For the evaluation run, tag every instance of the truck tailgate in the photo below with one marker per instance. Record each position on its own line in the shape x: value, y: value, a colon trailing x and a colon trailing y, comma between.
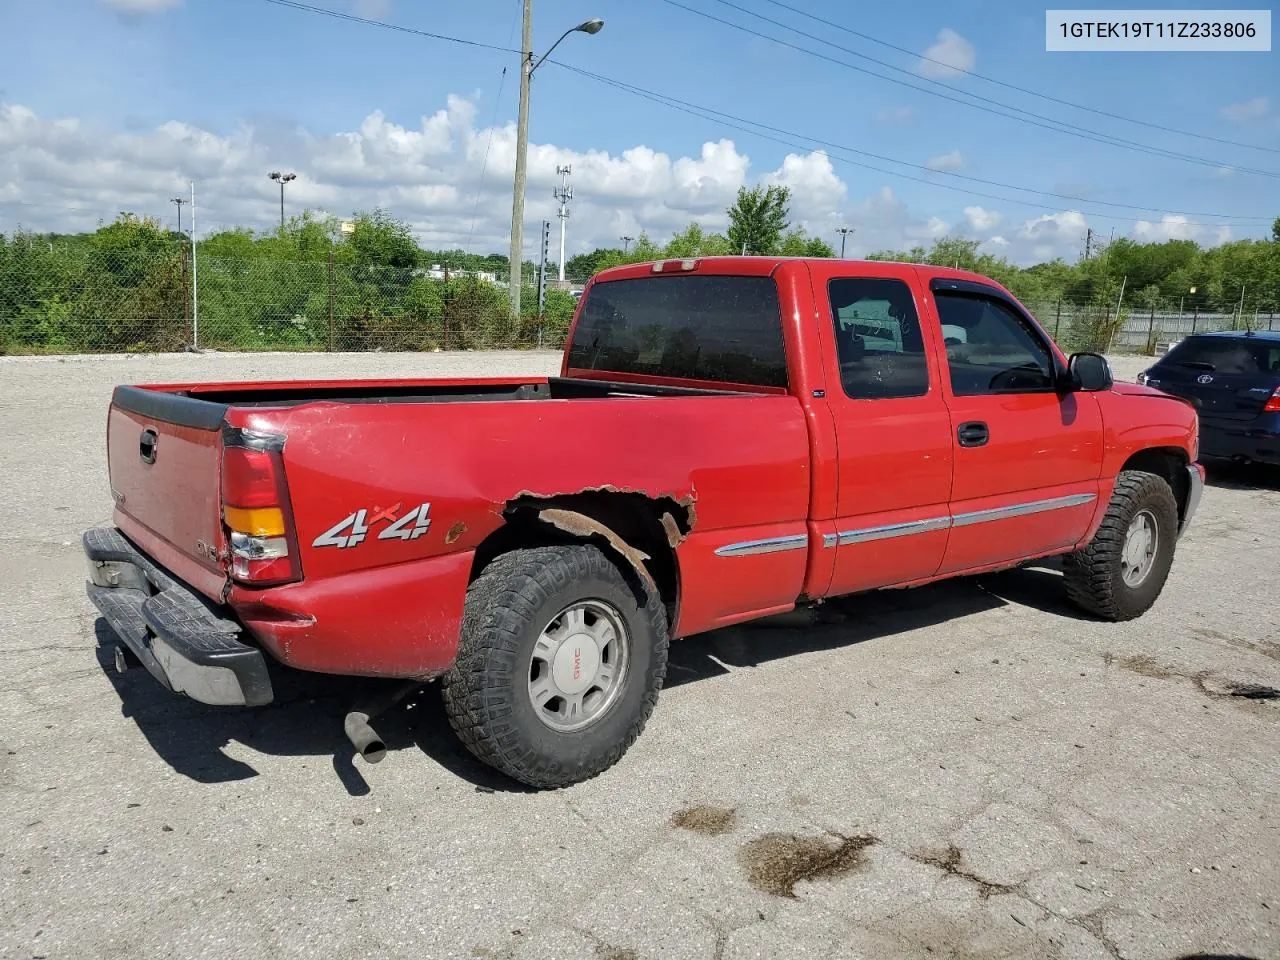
x: 165, y: 482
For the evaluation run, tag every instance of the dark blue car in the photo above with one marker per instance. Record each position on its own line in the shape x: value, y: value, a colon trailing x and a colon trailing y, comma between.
x: 1233, y: 380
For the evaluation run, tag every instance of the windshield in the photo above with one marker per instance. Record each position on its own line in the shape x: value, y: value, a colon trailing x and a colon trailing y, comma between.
x: 717, y: 328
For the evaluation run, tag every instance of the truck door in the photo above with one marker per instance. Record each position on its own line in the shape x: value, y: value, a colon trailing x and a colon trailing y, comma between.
x: 1027, y: 458
x: 893, y: 432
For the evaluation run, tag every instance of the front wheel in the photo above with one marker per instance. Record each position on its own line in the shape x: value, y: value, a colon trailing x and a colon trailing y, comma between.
x: 1122, y: 570
x: 559, y: 664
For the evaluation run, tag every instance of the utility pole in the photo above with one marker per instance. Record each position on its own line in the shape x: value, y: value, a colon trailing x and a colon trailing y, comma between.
x: 844, y: 235
x: 626, y: 244
x: 179, y: 201
x: 564, y: 193
x: 195, y: 280
x: 522, y: 149
x: 282, y: 179
x: 527, y: 66
x: 1088, y: 242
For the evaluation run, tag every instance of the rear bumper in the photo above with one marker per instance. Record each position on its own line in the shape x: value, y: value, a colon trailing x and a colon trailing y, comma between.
x: 182, y: 642
x: 1243, y: 440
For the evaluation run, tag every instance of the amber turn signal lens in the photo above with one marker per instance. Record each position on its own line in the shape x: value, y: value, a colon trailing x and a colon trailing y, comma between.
x: 256, y: 522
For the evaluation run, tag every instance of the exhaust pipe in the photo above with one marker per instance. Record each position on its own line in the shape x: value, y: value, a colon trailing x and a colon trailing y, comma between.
x: 357, y: 727
x: 363, y: 737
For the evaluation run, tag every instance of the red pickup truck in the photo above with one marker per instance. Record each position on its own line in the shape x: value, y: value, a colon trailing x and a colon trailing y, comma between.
x: 728, y: 438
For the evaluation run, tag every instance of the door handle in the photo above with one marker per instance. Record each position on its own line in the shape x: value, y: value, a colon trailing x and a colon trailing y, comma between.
x: 973, y: 434
x: 147, y: 446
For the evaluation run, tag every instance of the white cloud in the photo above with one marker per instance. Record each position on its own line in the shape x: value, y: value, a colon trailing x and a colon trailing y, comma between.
x: 62, y: 174
x: 372, y: 9
x: 1246, y: 110
x: 981, y: 219
x: 1050, y: 236
x: 953, y: 160
x: 65, y: 174
x: 948, y: 57
x: 895, y: 116
x: 1177, y: 227
x: 142, y: 6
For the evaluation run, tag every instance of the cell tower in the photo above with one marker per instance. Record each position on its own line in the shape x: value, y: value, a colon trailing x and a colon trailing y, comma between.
x: 563, y: 193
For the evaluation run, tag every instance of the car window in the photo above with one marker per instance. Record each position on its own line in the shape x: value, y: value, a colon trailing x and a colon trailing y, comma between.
x: 716, y: 328
x: 878, y: 339
x: 1225, y: 355
x: 990, y: 349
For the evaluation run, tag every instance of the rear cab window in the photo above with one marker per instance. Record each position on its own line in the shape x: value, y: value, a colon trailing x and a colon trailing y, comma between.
x: 714, y: 329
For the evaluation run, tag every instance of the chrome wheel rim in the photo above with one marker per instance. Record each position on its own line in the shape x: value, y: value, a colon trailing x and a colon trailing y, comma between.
x: 579, y: 665
x: 1138, y: 555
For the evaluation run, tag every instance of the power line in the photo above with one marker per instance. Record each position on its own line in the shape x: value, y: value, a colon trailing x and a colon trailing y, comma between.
x: 735, y: 122
x: 1013, y: 86
x: 351, y: 17
x: 1018, y: 114
x: 709, y: 113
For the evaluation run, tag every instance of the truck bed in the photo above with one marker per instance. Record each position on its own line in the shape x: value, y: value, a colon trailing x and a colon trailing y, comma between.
x: 156, y: 399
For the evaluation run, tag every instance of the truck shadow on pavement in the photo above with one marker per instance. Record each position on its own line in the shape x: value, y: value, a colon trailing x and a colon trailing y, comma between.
x: 305, y: 719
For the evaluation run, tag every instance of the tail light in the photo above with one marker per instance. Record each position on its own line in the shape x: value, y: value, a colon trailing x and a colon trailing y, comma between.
x: 1273, y: 402
x: 256, y: 511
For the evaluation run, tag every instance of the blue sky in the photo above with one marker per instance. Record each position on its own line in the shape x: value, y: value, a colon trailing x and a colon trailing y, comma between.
x: 255, y: 85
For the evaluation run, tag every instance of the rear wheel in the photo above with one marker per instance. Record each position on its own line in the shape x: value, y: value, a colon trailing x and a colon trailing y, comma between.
x: 1122, y: 570
x: 559, y: 665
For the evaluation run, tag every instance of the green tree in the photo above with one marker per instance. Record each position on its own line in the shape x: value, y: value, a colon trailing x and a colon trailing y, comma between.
x: 1275, y: 230
x: 797, y: 243
x: 693, y: 241
x: 758, y: 219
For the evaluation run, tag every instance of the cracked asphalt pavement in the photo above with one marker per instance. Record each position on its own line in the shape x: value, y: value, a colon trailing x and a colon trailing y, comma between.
x: 970, y: 769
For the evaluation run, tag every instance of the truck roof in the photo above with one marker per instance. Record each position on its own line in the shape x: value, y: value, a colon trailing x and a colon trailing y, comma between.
x: 751, y: 265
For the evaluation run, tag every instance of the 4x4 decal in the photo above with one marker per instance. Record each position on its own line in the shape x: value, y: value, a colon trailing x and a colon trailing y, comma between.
x: 353, y: 528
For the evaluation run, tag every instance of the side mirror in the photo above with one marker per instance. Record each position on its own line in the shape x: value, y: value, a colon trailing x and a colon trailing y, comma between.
x: 1089, y: 372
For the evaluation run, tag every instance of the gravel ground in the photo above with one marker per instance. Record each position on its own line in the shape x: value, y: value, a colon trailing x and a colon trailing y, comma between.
x: 964, y: 770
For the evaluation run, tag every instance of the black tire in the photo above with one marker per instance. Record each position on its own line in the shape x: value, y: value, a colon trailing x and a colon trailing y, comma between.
x: 486, y: 692
x: 1094, y: 576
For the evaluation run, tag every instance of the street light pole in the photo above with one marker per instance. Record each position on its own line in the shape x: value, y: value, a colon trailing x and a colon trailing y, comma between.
x: 844, y: 235
x: 522, y: 150
x: 527, y: 66
x: 282, y: 179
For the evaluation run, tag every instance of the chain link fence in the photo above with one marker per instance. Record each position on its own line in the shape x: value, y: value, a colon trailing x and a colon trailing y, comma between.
x: 108, y: 301
x: 1147, y: 329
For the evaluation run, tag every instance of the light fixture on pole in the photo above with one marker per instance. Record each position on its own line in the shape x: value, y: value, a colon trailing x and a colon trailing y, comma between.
x: 282, y: 179
x: 527, y: 66
x: 179, y: 201
x: 844, y: 235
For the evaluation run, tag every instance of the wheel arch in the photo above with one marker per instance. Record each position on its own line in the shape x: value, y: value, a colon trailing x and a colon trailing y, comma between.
x: 1170, y: 464
x: 638, y: 532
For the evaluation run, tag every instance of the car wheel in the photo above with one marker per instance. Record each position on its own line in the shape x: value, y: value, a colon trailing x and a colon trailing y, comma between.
x: 559, y: 665
x: 1122, y: 570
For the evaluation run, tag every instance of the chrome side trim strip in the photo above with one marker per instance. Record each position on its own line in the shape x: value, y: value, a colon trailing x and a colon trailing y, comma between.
x: 751, y: 548
x: 1022, y: 509
x: 912, y: 527
x: 893, y: 530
